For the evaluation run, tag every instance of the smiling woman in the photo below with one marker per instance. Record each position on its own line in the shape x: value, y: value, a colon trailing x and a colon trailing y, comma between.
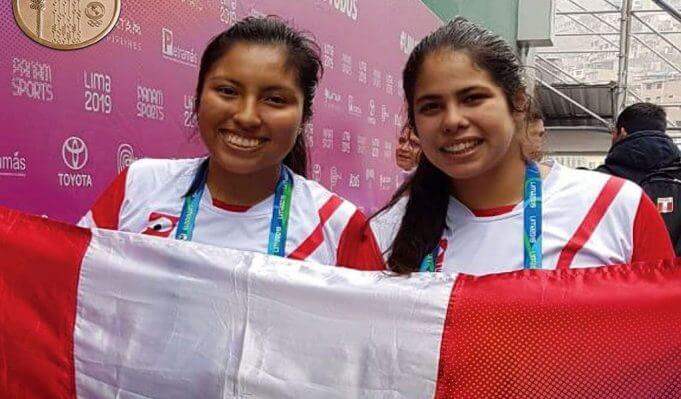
x: 254, y: 93
x: 250, y: 113
x: 478, y: 203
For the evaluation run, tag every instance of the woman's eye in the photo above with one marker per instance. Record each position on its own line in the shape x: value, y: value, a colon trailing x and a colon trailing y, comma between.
x: 278, y: 100
x: 474, y: 98
x: 429, y: 107
x: 226, y: 90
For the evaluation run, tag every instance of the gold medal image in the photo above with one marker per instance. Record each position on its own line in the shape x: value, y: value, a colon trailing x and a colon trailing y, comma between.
x: 66, y: 24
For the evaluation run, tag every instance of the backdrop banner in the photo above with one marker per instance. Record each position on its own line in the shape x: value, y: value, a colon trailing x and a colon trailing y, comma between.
x: 71, y: 120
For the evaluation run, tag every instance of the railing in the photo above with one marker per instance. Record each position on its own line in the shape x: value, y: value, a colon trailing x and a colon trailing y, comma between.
x: 622, y: 48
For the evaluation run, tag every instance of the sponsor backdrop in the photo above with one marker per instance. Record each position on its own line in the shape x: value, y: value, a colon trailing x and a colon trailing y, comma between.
x: 71, y: 120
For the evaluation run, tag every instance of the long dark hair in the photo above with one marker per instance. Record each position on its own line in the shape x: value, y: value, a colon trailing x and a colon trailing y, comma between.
x: 424, y: 219
x: 303, y: 57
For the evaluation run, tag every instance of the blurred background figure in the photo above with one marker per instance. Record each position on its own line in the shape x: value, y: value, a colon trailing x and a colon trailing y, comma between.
x: 644, y: 153
x: 640, y: 144
x: 535, y: 132
x: 408, y: 150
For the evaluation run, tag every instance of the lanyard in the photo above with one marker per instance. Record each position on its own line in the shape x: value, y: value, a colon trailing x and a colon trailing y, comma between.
x: 280, y: 209
x: 532, y: 227
x: 280, y: 213
x: 428, y: 264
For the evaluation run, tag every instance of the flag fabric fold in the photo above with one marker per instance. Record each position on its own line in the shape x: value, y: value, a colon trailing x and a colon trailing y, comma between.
x: 103, y: 314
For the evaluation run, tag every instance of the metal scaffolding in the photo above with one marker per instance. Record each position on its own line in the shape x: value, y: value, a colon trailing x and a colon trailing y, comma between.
x: 622, y: 47
x: 623, y: 56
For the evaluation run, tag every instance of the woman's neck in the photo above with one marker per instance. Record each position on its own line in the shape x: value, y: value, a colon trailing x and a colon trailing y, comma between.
x: 497, y: 187
x: 241, y: 189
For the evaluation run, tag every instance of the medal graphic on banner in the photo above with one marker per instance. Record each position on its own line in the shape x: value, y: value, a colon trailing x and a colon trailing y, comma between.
x: 66, y: 24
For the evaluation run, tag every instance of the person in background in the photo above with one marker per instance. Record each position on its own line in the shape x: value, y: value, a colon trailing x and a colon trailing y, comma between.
x: 478, y: 203
x: 254, y: 93
x: 643, y: 153
x: 536, y: 131
x: 408, y: 150
x: 639, y: 143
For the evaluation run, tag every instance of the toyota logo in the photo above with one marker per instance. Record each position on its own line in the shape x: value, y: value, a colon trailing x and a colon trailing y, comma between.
x: 74, y: 153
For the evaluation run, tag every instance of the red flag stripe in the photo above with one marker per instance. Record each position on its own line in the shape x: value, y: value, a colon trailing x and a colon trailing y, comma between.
x: 38, y: 296
x: 597, y: 332
x: 315, y: 239
x: 590, y: 222
x: 106, y: 211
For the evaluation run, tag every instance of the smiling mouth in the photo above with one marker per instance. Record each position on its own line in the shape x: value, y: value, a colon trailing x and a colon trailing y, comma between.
x: 463, y: 147
x: 240, y: 142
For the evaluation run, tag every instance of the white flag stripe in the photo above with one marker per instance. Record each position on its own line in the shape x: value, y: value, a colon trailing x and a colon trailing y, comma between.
x: 207, y: 322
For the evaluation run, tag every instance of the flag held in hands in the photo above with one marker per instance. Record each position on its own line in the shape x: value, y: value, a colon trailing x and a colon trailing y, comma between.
x: 105, y: 314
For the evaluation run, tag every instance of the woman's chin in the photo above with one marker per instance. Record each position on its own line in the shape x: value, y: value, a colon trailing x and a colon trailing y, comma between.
x: 236, y: 166
x: 464, y: 171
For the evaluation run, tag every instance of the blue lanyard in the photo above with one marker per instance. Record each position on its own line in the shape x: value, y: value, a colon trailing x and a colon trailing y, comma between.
x: 280, y: 211
x: 532, y: 229
x: 532, y: 226
x: 428, y: 264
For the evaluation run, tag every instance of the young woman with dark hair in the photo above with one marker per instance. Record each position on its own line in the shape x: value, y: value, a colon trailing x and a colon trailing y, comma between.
x: 477, y: 202
x: 254, y: 94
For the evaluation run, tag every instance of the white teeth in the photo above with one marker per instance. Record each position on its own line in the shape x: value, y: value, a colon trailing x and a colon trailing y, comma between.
x: 241, y: 141
x: 463, y: 146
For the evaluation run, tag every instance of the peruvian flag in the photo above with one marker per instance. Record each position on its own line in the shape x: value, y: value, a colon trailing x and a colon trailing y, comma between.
x: 103, y: 314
